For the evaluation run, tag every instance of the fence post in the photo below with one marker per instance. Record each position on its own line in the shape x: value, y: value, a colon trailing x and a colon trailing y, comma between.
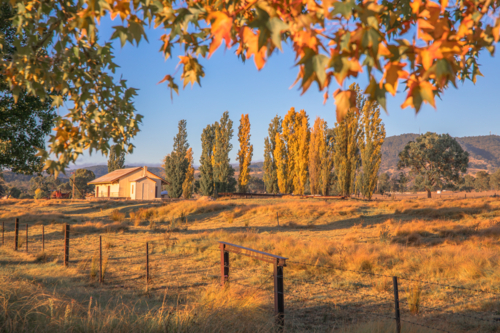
x: 396, y: 304
x: 100, y: 259
x: 66, y: 244
x: 26, y: 237
x: 147, y: 266
x: 279, y: 299
x: 16, y: 234
x: 224, y: 265
x: 43, y: 238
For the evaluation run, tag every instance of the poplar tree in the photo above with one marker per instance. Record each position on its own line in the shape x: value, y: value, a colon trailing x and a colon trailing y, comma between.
x: 326, y: 154
x: 223, y: 171
x: 281, y: 168
x: 116, y: 160
x: 245, y: 153
x: 187, y: 185
x: 370, y: 146
x: 346, y: 156
x: 320, y: 158
x: 301, y: 152
x: 270, y: 169
x: 206, y: 169
x: 176, y: 163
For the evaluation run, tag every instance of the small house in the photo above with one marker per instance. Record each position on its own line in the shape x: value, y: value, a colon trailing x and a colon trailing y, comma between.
x: 131, y: 183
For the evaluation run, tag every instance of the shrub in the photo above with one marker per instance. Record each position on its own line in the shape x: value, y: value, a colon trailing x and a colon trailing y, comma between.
x: 40, y: 194
x: 25, y: 196
x: 117, y: 216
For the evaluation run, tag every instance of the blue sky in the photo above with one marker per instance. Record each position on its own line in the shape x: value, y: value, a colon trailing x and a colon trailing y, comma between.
x: 470, y: 110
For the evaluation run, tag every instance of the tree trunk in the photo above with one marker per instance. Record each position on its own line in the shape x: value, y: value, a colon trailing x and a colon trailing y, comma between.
x: 428, y: 194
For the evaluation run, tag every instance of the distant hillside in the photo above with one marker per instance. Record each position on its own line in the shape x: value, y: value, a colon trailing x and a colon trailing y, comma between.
x: 484, y: 151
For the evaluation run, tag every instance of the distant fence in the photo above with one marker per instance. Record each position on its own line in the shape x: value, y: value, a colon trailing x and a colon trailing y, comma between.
x: 119, y: 261
x: 248, y: 195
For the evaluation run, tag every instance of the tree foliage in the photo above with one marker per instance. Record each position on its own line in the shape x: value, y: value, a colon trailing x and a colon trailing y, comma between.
x: 116, y: 159
x: 176, y: 163
x: 206, y: 169
x: 437, y: 159
x: 223, y: 171
x: 81, y: 178
x: 270, y: 168
x: 281, y: 158
x: 332, y: 40
x: 245, y: 153
x: 187, y: 185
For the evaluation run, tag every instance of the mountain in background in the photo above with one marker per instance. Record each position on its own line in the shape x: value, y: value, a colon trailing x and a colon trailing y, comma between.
x: 484, y: 152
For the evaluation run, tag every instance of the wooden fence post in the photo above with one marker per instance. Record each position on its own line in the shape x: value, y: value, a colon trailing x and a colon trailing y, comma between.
x: 224, y: 264
x: 396, y: 304
x: 100, y: 259
x: 66, y: 244
x: 16, y: 234
x: 279, y: 299
x: 26, y: 237
x: 147, y: 266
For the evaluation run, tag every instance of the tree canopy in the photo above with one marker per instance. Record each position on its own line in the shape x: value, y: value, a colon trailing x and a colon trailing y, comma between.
x: 332, y: 41
x: 435, y: 158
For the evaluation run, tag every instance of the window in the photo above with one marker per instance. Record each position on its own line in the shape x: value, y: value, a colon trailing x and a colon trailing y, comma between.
x: 132, y: 189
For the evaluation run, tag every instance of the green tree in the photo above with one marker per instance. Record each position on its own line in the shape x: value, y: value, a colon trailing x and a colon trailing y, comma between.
x: 223, y: 171
x: 206, y: 169
x: 176, y: 163
x: 438, y: 159
x: 25, y: 123
x: 403, y: 182
x: 482, y: 182
x: 116, y: 159
x: 187, y: 186
x: 81, y: 178
x: 346, y: 157
x: 14, y: 192
x: 372, y: 138
x: 384, y: 184
x: 467, y: 184
x: 495, y: 180
x: 44, y: 183
x: 270, y: 169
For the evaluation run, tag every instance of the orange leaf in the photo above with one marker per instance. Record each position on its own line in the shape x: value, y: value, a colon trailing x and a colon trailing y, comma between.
x: 444, y: 4
x: 415, y: 6
x: 221, y: 29
x: 393, y: 72
x: 252, y: 42
x: 345, y: 101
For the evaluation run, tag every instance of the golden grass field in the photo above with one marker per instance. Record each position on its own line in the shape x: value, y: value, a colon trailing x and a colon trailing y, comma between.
x: 342, y: 256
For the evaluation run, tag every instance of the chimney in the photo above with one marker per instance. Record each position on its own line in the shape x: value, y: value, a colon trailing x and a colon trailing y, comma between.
x: 144, y: 171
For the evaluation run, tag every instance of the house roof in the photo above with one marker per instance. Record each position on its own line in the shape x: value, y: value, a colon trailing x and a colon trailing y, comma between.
x: 151, y: 178
x: 115, y: 175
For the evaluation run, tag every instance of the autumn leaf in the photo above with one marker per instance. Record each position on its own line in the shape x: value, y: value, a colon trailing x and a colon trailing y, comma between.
x: 220, y: 29
x: 171, y: 84
x: 251, y: 41
x: 393, y: 71
x: 345, y: 100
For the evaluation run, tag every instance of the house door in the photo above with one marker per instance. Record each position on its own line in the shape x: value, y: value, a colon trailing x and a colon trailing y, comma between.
x: 97, y: 191
x: 109, y: 191
x: 156, y: 191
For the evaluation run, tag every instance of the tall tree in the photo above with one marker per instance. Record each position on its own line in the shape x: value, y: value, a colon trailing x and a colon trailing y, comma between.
x: 280, y: 156
x: 371, y: 141
x: 206, y: 169
x: 270, y: 169
x: 326, y: 155
x: 301, y: 151
x: 187, y: 185
x: 346, y: 156
x: 116, y: 159
x: 495, y: 180
x: 315, y: 143
x: 81, y: 178
x: 437, y: 159
x: 223, y: 171
x: 26, y: 122
x: 482, y: 182
x: 176, y: 163
x: 245, y: 153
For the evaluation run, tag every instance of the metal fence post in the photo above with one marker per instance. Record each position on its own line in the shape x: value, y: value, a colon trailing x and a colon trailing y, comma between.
x: 100, y: 259
x: 66, y: 245
x: 16, y: 234
x: 396, y: 304
x: 26, y: 237
x: 279, y: 299
x: 147, y: 266
x: 224, y: 264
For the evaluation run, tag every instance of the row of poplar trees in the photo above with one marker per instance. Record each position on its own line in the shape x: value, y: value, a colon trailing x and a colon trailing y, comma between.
x: 216, y: 173
x: 347, y: 155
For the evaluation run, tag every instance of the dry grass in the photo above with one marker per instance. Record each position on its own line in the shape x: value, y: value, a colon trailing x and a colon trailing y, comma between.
x: 447, y: 241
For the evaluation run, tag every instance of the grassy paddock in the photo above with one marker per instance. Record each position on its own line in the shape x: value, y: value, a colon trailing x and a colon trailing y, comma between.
x: 342, y: 255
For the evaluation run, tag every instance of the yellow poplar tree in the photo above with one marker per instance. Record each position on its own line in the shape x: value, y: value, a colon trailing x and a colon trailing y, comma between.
x: 301, y: 152
x: 245, y: 153
x: 187, y: 185
x: 280, y: 157
x: 326, y: 150
x: 289, y: 141
x: 314, y: 156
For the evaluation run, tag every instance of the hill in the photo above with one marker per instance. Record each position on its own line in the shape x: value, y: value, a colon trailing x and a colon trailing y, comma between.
x: 484, y: 151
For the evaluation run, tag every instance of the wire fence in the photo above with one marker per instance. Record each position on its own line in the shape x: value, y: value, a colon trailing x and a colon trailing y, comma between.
x: 314, y: 296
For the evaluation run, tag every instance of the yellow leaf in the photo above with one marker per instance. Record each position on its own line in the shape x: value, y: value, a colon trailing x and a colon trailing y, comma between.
x: 345, y: 101
x: 393, y: 72
x: 221, y: 29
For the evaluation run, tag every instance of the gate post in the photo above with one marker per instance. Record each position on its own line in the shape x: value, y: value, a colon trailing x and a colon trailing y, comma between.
x: 279, y: 299
x: 224, y: 264
x: 396, y: 304
x: 66, y: 244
